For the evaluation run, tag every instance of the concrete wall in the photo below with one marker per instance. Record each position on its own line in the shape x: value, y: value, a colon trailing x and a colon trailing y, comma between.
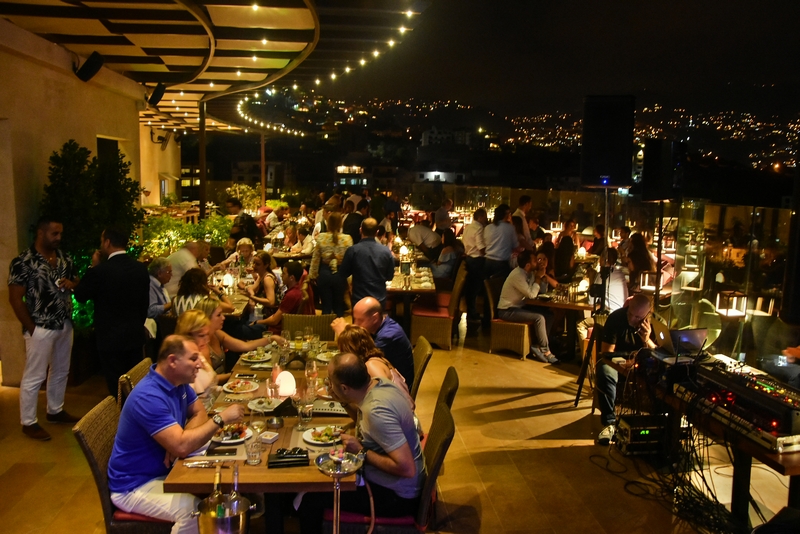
x: 43, y: 105
x: 155, y: 162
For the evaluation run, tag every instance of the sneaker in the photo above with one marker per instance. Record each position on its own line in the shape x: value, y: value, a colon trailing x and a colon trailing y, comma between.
x: 36, y: 432
x: 538, y: 355
x: 606, y: 435
x: 62, y: 417
x: 550, y: 358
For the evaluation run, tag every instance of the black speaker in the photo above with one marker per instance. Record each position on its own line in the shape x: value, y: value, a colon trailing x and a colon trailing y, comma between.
x: 157, y: 94
x: 790, y: 303
x: 90, y: 67
x: 662, y: 169
x: 607, y: 152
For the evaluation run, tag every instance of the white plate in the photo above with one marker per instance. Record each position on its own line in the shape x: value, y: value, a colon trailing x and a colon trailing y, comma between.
x: 311, y: 441
x: 252, y: 357
x: 262, y: 404
x: 326, y: 356
x: 247, y: 435
x: 243, y: 386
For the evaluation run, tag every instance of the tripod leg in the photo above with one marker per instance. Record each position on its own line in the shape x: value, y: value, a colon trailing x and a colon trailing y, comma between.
x: 587, y: 359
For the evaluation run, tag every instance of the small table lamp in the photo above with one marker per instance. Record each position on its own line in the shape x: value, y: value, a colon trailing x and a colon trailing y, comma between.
x: 731, y: 303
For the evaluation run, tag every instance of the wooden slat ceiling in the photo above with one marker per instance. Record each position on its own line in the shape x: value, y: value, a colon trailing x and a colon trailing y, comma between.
x: 211, y: 49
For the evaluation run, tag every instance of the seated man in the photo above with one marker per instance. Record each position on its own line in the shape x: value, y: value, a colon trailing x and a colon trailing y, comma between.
x: 626, y: 330
x: 296, y: 300
x: 162, y: 420
x: 526, y: 281
x: 393, y: 461
x: 388, y: 335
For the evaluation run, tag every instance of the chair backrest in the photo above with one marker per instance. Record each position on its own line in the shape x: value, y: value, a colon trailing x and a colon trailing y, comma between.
x: 320, y: 323
x: 95, y: 433
x: 458, y: 287
x: 422, y: 355
x: 494, y: 286
x: 130, y: 379
x: 447, y: 393
x: 443, y: 429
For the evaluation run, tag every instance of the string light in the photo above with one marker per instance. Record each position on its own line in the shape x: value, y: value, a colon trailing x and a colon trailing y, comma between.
x: 238, y: 73
x: 391, y: 43
x: 363, y: 62
x: 264, y: 41
x: 211, y: 84
x: 255, y: 7
x: 333, y: 75
x: 409, y: 13
x: 181, y: 93
x: 402, y: 29
x: 347, y: 69
x: 375, y: 53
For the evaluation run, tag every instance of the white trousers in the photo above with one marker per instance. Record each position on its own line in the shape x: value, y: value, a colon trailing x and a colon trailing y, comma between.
x: 149, y: 499
x: 45, y: 348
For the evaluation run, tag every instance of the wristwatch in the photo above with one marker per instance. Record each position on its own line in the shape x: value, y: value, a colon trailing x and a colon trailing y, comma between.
x: 362, y: 454
x: 218, y: 420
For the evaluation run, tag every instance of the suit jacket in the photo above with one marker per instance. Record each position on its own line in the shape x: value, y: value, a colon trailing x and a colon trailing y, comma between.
x: 352, y: 226
x: 120, y: 289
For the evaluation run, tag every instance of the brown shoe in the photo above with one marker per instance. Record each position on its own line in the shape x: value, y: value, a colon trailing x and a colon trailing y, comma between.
x: 62, y: 417
x: 36, y: 432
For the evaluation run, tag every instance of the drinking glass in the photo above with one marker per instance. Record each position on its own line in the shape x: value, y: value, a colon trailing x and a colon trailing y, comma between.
x: 297, y: 402
x: 298, y: 340
x: 253, y: 449
x: 286, y: 335
x: 309, y: 333
x: 312, y: 372
x: 273, y: 390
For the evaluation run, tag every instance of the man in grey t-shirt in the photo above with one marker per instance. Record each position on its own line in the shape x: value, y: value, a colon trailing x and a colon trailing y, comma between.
x: 389, y: 445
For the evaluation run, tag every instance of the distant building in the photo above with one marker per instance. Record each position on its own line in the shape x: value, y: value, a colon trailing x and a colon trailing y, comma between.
x: 434, y: 136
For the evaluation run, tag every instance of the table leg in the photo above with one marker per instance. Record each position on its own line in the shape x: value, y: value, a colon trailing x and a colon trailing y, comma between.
x: 740, y: 496
x: 572, y: 333
x: 794, y: 491
x: 407, y: 313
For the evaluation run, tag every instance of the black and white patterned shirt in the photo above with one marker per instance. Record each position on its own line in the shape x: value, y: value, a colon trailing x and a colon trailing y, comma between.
x: 48, y: 305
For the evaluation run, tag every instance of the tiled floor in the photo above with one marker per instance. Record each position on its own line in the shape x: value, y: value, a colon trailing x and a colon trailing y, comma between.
x: 523, y: 459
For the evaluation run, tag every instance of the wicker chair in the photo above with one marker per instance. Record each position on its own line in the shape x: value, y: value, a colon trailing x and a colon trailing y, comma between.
x: 95, y: 433
x: 130, y: 379
x: 443, y: 430
x: 438, y: 323
x: 505, y: 335
x: 422, y: 355
x: 320, y: 323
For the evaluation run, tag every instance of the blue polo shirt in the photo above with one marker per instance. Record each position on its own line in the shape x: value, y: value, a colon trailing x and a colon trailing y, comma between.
x: 371, y: 265
x: 392, y: 340
x: 153, y: 405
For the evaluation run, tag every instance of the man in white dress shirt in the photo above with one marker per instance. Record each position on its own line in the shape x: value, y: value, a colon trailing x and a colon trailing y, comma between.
x: 182, y: 260
x: 525, y: 205
x: 474, y: 256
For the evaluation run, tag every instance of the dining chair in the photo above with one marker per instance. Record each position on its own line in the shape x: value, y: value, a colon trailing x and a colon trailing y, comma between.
x: 505, y: 335
x: 443, y: 430
x: 438, y: 323
x: 95, y: 433
x: 130, y: 379
x: 422, y: 355
x: 447, y: 393
x: 320, y: 323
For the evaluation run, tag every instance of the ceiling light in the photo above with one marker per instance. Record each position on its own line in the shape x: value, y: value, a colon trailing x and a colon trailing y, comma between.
x: 409, y: 13
x: 254, y: 58
x: 402, y: 29
x: 178, y: 108
x: 347, y: 69
x: 333, y: 75
x: 391, y: 43
x: 181, y: 93
x: 148, y: 122
x: 375, y: 53
x: 363, y: 61
x: 263, y: 41
x: 211, y: 84
x: 316, y: 81
x: 294, y: 86
x: 173, y: 100
x: 238, y: 73
x: 255, y: 7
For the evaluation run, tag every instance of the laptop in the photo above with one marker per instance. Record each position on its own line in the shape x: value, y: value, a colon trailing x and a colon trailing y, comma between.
x: 681, y: 345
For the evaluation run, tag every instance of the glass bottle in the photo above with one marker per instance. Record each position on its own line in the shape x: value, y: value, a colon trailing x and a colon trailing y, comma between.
x: 216, y: 501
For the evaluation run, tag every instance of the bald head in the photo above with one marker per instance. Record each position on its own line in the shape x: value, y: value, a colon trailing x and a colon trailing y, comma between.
x: 368, y: 314
x: 638, y: 309
x: 349, y: 376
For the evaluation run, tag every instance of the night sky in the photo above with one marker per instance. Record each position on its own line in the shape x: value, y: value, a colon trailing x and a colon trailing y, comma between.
x: 531, y: 56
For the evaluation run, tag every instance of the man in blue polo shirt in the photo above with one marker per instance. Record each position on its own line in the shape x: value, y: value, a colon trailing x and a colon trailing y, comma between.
x: 370, y: 263
x: 162, y: 420
x: 387, y: 334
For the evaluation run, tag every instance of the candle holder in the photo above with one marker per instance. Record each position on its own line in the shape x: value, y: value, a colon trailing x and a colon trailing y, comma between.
x: 731, y: 303
x: 764, y: 306
x: 648, y: 281
x: 556, y: 227
x: 691, y: 262
x: 691, y: 281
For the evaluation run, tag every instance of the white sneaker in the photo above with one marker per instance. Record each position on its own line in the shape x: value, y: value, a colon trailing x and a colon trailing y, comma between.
x: 606, y: 435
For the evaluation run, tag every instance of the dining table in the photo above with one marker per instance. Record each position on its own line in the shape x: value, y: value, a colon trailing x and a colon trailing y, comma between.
x: 421, y: 283
x: 261, y: 478
x: 574, y: 312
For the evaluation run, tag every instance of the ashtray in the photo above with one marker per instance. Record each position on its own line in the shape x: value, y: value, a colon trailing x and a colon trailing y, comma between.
x: 275, y: 422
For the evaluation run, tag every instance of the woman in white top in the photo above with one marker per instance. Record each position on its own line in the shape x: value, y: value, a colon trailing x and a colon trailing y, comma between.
x: 192, y: 288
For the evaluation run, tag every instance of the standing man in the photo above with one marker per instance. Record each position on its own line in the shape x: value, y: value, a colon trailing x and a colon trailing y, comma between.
x: 442, y: 216
x: 475, y: 252
x: 387, y: 334
x: 40, y: 282
x: 388, y: 444
x: 162, y: 420
x: 501, y: 240
x: 369, y: 263
x: 243, y: 225
x: 525, y: 205
x: 182, y: 260
x: 425, y: 239
x: 120, y: 289
x: 352, y: 224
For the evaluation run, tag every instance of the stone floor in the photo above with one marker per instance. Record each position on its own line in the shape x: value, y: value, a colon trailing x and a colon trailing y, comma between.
x: 523, y: 459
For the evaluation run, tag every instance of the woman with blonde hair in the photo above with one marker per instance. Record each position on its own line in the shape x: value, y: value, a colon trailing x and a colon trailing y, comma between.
x: 244, y: 253
x: 328, y: 256
x: 195, y: 324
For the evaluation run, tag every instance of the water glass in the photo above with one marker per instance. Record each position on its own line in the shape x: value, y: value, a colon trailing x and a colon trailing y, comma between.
x: 286, y: 335
x: 273, y: 390
x: 312, y: 371
x: 309, y: 333
x: 253, y: 449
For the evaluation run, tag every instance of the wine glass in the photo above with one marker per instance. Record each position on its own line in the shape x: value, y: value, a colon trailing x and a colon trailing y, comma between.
x: 311, y: 373
x: 309, y: 333
x: 298, y: 403
x: 258, y: 426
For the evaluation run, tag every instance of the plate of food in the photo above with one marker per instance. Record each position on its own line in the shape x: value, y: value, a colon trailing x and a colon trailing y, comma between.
x: 254, y: 357
x: 232, y: 434
x: 326, y: 356
x: 240, y: 386
x: 262, y: 404
x: 323, y: 435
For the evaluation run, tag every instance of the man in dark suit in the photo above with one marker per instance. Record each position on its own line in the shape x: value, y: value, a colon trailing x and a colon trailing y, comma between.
x: 352, y: 224
x: 119, y: 287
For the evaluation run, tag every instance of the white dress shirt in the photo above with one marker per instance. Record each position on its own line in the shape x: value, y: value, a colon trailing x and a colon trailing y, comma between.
x: 525, y: 229
x: 518, y: 286
x: 419, y: 233
x: 474, y: 244
x: 181, y: 260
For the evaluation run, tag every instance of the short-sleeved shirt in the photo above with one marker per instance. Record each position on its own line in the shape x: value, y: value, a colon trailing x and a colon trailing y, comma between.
x: 153, y: 405
x: 501, y: 240
x: 387, y: 423
x: 48, y: 306
x: 618, y: 332
x: 392, y: 340
x: 371, y: 265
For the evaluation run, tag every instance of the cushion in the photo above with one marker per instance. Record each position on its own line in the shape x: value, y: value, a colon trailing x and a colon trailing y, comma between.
x: 352, y: 517
x: 430, y: 312
x: 119, y: 515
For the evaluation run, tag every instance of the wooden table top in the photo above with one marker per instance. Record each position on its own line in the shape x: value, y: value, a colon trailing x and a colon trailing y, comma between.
x: 578, y: 305
x: 416, y: 282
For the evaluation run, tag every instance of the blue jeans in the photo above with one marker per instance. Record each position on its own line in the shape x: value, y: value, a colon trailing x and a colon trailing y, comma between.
x: 606, y: 378
x: 538, y: 325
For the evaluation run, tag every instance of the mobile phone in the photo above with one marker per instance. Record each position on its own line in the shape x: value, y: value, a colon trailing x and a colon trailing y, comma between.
x: 245, y: 375
x: 221, y: 451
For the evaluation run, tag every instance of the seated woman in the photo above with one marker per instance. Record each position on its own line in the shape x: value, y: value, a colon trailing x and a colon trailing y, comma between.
x: 195, y: 324
x: 290, y: 236
x: 243, y: 254
x: 220, y: 341
x: 265, y: 290
x: 443, y: 268
x: 193, y: 287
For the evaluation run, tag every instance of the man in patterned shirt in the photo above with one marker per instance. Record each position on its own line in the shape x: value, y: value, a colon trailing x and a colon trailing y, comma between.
x: 40, y: 282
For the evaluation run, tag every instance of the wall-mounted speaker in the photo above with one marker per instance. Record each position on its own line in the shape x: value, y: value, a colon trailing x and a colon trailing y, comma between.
x: 90, y: 67
x: 157, y: 94
x: 607, y: 146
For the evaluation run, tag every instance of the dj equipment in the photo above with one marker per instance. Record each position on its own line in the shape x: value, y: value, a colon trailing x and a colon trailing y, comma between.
x: 641, y: 434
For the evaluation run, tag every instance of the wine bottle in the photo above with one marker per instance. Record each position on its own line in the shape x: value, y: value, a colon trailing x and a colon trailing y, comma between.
x: 216, y: 501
